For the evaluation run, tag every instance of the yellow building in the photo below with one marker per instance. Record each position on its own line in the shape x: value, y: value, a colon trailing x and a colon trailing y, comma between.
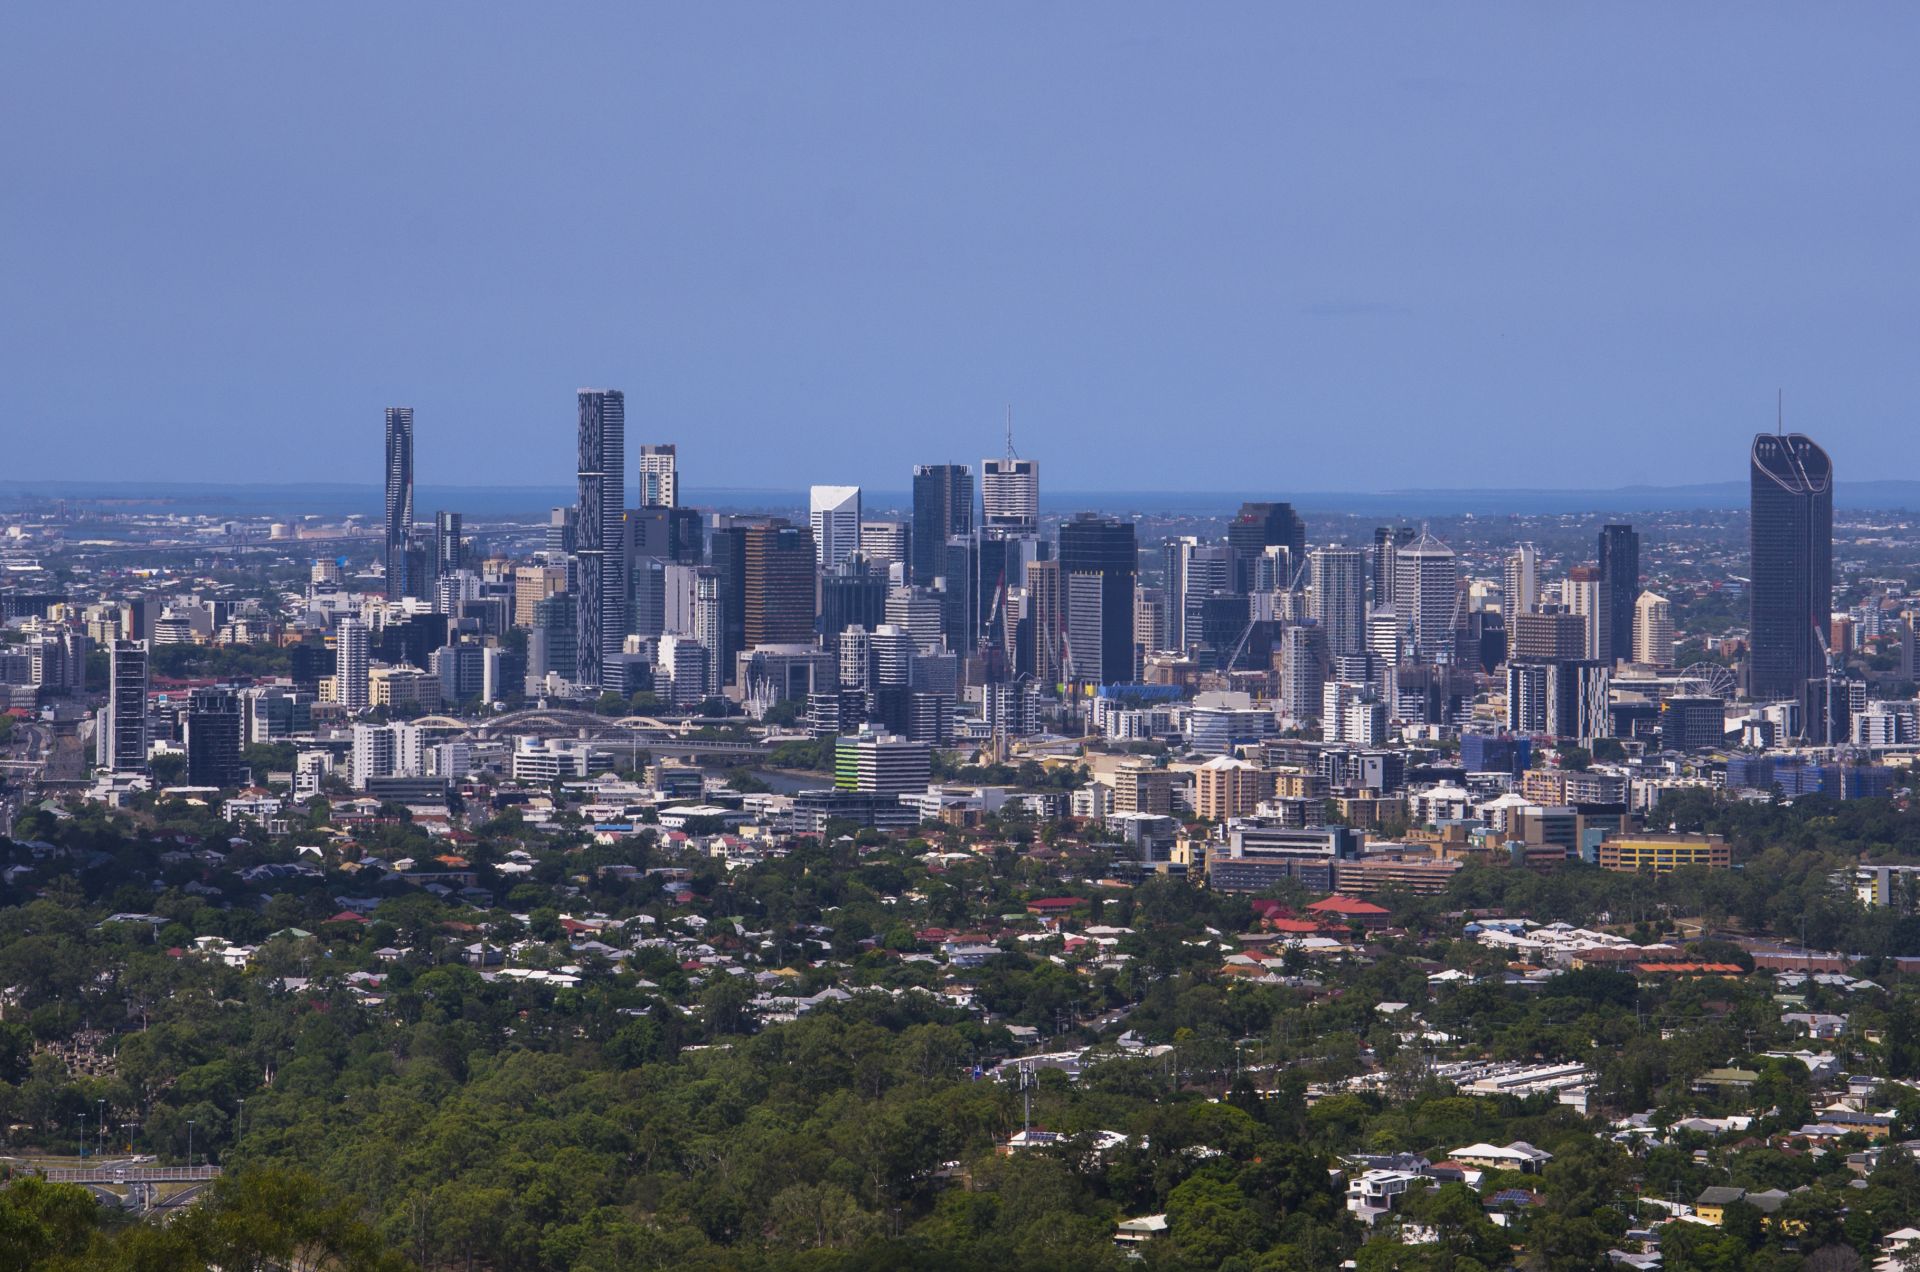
x: 1660, y: 854
x: 1224, y: 787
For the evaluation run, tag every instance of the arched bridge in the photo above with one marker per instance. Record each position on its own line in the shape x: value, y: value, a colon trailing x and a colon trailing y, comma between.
x: 659, y: 736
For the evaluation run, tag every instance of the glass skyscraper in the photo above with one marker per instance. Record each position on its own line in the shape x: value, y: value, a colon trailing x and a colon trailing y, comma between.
x: 600, y: 536
x: 1792, y: 565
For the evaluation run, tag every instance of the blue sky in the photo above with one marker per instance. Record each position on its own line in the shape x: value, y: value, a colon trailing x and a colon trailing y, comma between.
x: 1287, y: 247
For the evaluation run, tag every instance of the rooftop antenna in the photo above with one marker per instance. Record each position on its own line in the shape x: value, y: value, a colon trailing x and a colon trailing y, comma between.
x: 1011, y: 454
x: 1780, y: 412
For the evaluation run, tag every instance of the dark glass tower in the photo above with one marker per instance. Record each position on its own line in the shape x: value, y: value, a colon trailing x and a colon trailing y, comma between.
x: 1103, y: 549
x: 942, y: 508
x: 1619, y: 585
x: 446, y: 544
x: 1792, y: 566
x: 399, y: 525
x: 1260, y: 526
x: 213, y: 738
x: 600, y: 543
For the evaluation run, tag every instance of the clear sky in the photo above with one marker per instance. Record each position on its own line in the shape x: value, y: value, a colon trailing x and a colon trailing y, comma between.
x: 1293, y: 247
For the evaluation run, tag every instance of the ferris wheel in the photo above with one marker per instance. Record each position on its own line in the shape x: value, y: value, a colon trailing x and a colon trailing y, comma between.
x: 1709, y: 678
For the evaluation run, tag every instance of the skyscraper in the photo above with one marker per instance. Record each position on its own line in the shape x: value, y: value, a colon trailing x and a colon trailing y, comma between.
x: 779, y: 586
x: 122, y: 727
x: 1257, y: 527
x: 1619, y: 585
x: 1653, y: 630
x: 659, y: 476
x: 1587, y: 597
x: 1520, y: 593
x: 599, y: 531
x: 1340, y: 599
x: 942, y: 508
x: 1791, y: 541
x: 1387, y: 542
x: 447, y: 550
x: 1098, y: 558
x: 835, y: 515
x: 1010, y: 495
x: 352, y: 648
x: 1426, y: 595
x: 399, y: 522
x: 1046, y: 621
x: 213, y: 738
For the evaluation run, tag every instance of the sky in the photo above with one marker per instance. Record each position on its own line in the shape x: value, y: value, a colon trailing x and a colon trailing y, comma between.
x: 1286, y: 247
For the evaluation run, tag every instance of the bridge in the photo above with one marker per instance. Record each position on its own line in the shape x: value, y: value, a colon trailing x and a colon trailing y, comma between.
x: 109, y: 1173
x: 662, y: 737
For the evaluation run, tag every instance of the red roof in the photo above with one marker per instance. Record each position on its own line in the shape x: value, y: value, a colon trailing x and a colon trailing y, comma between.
x: 1298, y: 926
x: 1055, y: 903
x: 1337, y: 904
x: 348, y: 916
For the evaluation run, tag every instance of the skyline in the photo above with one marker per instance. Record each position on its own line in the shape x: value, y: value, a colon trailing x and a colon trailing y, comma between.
x: 1265, y: 232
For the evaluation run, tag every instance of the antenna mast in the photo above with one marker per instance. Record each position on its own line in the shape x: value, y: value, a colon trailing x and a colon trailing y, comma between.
x: 1011, y: 454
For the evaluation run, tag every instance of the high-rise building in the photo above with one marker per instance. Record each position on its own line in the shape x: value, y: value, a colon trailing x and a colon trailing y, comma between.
x: 600, y: 532
x: 1010, y: 495
x: 1099, y: 557
x: 122, y: 726
x: 352, y: 646
x: 1340, y: 598
x: 1587, y: 597
x: 885, y: 542
x: 1653, y: 630
x: 1619, y: 585
x: 835, y: 517
x: 213, y: 738
x: 1520, y: 593
x: 399, y: 519
x: 553, y: 639
x: 942, y: 508
x: 778, y: 598
x: 1046, y: 621
x: 853, y: 596
x: 1195, y: 570
x: 1257, y: 527
x: 533, y: 584
x: 659, y: 476
x: 1546, y: 635
x: 1426, y: 595
x: 1387, y: 543
x: 1791, y: 537
x: 448, y: 552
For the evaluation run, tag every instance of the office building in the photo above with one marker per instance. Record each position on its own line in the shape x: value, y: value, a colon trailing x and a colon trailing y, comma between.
x: 352, y: 647
x: 448, y: 552
x: 1520, y: 593
x: 1619, y: 586
x: 533, y: 584
x: 883, y: 543
x: 1587, y: 598
x: 853, y: 596
x: 1426, y: 595
x: 121, y: 745
x: 552, y: 642
x: 778, y: 586
x: 1195, y: 570
x: 658, y: 476
x: 942, y: 509
x: 1046, y: 622
x: 599, y: 533
x: 1010, y: 496
x: 1653, y: 630
x: 1387, y: 542
x: 835, y: 518
x: 1546, y: 636
x: 1257, y: 527
x: 399, y: 509
x: 881, y: 764
x: 213, y: 730
x: 1791, y: 544
x: 1098, y: 558
x: 1340, y: 598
